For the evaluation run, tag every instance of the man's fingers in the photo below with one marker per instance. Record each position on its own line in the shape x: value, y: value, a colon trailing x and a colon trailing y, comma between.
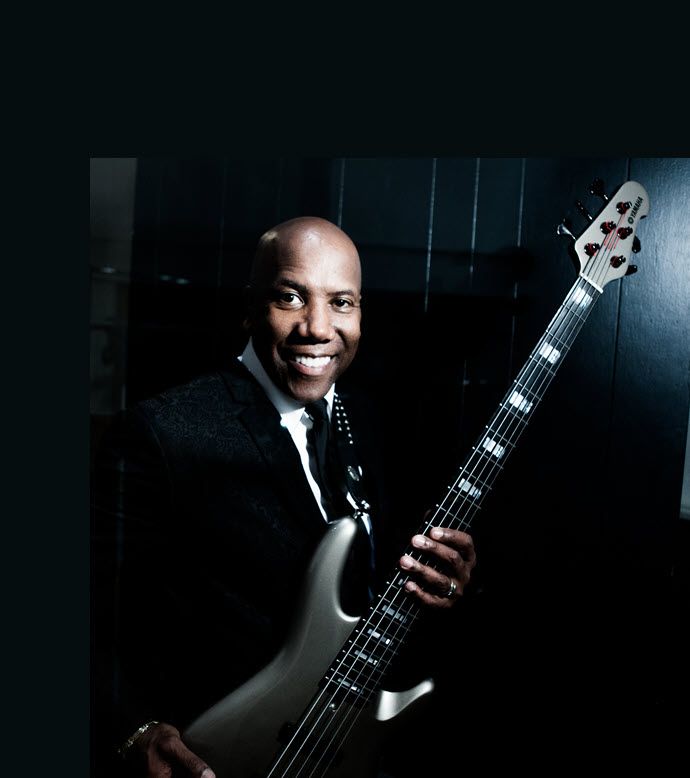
x: 440, y: 587
x: 173, y: 749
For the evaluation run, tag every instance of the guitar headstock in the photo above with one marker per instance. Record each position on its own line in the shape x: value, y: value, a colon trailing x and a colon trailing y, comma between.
x: 604, y: 249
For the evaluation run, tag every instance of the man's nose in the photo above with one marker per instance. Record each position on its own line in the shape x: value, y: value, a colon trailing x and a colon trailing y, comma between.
x: 317, y: 323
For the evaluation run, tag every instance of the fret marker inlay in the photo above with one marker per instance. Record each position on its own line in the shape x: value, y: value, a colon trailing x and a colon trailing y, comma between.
x: 519, y: 402
x: 493, y: 448
x: 581, y: 298
x: 549, y: 353
x: 465, y: 486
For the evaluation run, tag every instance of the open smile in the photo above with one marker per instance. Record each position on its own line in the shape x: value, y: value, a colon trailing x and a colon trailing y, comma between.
x: 310, y: 365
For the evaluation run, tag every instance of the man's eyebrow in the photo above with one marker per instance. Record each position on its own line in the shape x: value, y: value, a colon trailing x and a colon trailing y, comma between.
x: 345, y: 293
x: 303, y: 290
x: 292, y: 284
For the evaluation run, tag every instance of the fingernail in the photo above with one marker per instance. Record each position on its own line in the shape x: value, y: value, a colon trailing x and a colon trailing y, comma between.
x: 420, y: 541
x: 406, y: 561
x: 437, y: 533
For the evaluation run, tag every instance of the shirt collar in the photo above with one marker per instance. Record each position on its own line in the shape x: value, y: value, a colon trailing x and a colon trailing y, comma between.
x: 290, y: 410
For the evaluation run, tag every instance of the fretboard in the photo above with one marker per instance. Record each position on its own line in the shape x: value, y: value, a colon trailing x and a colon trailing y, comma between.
x: 356, y: 673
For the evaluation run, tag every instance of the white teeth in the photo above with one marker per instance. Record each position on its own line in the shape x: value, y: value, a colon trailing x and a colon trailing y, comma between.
x: 312, y: 361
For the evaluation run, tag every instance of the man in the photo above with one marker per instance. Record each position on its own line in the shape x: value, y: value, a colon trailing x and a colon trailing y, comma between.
x: 223, y: 505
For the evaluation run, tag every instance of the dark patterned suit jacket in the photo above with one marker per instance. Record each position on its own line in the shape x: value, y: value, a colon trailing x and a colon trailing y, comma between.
x: 204, y: 516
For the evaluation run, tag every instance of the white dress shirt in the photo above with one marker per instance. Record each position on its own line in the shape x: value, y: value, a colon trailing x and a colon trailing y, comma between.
x: 292, y: 415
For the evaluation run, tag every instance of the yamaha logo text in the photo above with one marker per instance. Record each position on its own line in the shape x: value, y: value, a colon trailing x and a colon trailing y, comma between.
x: 634, y: 211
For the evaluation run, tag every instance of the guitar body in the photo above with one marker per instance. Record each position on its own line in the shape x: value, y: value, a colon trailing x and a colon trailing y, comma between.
x: 240, y: 735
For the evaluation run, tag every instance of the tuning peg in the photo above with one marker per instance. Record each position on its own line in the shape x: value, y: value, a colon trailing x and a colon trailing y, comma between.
x: 581, y: 208
x: 563, y: 230
x: 597, y: 188
x: 636, y: 246
x: 631, y: 269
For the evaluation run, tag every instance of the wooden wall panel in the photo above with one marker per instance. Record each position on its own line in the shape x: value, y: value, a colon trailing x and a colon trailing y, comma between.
x: 462, y: 272
x: 649, y: 410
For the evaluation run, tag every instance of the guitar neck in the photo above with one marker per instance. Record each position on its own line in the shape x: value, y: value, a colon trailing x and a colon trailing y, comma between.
x: 380, y: 633
x: 357, y: 672
x: 487, y: 457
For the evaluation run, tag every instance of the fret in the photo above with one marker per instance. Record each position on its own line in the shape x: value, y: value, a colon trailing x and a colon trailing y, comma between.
x: 557, y: 340
x: 504, y: 430
x: 341, y: 680
x: 456, y: 518
x: 518, y: 402
x: 388, y: 620
x: 539, y: 360
x: 498, y: 439
x: 374, y: 634
x: 490, y: 448
x: 352, y: 686
x: 483, y: 466
x: 532, y: 385
x: 353, y: 691
x: 568, y: 321
x: 522, y: 387
x: 581, y: 298
x: 485, y: 462
x: 395, y: 614
x: 448, y: 513
x: 353, y: 658
x: 577, y: 317
x: 388, y: 604
x: 367, y: 658
x: 373, y: 650
x: 564, y: 336
x: 470, y: 487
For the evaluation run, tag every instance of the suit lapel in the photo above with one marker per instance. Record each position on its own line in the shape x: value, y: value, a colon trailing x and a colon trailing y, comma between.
x: 275, y: 444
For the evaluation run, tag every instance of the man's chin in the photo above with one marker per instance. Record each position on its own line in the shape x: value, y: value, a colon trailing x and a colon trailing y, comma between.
x: 308, y: 389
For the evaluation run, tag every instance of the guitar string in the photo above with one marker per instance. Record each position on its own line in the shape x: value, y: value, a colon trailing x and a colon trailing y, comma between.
x: 511, y: 417
x: 598, y: 276
x: 602, y: 258
x: 552, y: 333
x: 473, y: 503
x: 354, y: 685
x: 548, y: 375
x: 338, y: 687
x: 568, y: 317
x: 350, y: 712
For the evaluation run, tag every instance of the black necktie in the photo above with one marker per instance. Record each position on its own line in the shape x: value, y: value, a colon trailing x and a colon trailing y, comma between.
x: 319, y: 439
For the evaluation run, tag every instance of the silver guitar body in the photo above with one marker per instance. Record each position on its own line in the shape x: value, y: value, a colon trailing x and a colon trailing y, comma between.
x: 238, y: 737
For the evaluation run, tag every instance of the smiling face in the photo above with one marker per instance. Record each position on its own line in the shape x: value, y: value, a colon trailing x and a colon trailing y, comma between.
x: 305, y: 306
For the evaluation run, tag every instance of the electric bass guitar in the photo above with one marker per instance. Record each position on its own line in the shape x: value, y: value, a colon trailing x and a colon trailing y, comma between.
x: 323, y: 689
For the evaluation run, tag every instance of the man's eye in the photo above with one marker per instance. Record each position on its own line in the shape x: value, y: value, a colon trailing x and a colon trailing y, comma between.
x: 341, y: 302
x: 289, y: 298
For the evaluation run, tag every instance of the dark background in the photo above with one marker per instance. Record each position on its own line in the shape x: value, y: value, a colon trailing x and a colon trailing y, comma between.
x: 576, y: 644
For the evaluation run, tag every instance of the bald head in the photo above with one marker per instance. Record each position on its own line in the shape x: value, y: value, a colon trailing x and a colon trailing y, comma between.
x: 290, y: 237
x: 304, y: 305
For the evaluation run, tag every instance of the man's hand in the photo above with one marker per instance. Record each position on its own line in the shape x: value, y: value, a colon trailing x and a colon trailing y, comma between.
x: 160, y: 753
x: 451, y: 552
